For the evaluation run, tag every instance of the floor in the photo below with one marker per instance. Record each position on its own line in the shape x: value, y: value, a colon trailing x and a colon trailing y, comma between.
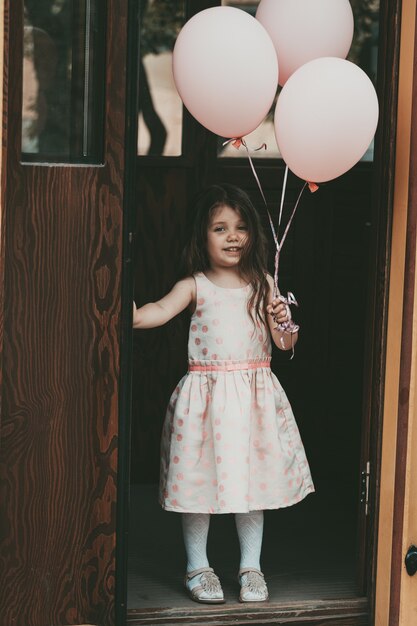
x: 309, y: 551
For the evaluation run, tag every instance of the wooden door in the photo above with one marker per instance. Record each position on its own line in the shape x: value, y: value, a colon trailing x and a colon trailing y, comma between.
x: 62, y: 200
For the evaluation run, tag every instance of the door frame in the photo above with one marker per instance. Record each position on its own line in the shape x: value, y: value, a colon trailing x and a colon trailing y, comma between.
x: 126, y: 340
x: 379, y: 276
x: 356, y: 612
x: 395, y: 590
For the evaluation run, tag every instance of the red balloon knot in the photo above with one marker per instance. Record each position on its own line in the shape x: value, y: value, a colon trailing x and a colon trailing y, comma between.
x: 312, y: 186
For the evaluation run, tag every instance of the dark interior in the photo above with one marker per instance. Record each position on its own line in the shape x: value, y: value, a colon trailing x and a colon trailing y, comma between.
x: 315, y: 549
x: 312, y: 549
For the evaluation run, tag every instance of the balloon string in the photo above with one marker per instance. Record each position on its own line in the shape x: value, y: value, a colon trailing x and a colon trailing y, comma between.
x: 292, y: 216
x: 284, y: 185
x: 281, y: 243
x: 237, y: 142
x: 278, y: 247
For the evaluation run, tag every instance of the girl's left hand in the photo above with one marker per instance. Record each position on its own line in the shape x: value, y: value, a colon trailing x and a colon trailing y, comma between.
x: 280, y: 312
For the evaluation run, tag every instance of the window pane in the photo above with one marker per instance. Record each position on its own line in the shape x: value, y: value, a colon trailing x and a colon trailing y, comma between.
x: 363, y: 52
x: 364, y: 49
x: 63, y: 80
x: 160, y: 107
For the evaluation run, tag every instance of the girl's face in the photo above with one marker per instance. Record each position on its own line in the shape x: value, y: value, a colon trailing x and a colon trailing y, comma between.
x: 227, y: 235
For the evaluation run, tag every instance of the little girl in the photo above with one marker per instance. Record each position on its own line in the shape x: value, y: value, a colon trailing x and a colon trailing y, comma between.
x: 230, y: 443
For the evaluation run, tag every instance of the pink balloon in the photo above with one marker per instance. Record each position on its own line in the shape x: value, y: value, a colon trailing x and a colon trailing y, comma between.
x: 325, y: 118
x: 303, y: 30
x: 225, y: 70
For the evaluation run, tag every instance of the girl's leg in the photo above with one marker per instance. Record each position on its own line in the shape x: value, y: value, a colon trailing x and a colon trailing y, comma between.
x: 195, y: 527
x: 250, y: 531
x: 203, y: 586
x: 250, y: 528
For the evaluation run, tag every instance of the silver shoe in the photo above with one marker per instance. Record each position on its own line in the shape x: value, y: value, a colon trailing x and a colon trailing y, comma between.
x: 209, y: 591
x: 252, y: 585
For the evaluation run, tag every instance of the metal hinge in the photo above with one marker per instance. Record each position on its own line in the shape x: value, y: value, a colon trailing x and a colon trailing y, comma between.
x: 365, y: 478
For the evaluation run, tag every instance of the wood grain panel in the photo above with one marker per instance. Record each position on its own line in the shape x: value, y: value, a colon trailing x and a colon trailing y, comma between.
x: 60, y: 392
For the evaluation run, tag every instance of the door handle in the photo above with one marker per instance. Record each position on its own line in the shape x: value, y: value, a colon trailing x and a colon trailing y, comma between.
x: 411, y: 561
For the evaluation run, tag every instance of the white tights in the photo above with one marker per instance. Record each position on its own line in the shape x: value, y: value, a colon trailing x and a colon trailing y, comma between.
x: 249, y: 529
x: 195, y: 527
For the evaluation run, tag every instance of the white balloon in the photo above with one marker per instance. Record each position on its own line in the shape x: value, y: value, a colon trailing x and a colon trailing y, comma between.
x: 225, y: 70
x: 325, y: 118
x: 303, y: 30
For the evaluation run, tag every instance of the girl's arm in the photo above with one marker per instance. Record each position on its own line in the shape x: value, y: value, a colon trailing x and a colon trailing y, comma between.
x: 159, y: 313
x: 277, y: 309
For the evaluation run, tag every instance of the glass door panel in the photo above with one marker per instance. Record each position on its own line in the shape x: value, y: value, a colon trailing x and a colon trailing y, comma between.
x: 63, y: 80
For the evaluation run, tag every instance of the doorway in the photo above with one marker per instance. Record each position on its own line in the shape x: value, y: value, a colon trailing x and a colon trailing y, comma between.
x: 320, y: 551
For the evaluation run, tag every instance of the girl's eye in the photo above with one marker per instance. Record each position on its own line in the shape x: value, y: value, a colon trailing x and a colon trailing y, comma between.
x: 218, y: 229
x: 243, y: 227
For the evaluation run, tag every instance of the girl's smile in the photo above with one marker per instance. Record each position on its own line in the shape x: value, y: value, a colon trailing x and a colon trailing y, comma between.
x: 227, y: 235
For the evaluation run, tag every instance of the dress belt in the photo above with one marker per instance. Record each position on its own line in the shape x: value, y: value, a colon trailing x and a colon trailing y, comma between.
x: 228, y: 366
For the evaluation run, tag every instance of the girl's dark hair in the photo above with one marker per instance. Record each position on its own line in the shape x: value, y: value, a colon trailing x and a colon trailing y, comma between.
x: 253, y: 261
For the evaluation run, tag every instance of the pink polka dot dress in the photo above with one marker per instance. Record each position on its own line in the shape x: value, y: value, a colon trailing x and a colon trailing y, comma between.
x: 230, y: 443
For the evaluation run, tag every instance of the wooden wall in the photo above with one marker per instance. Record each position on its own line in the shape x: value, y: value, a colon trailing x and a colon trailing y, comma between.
x: 61, y: 251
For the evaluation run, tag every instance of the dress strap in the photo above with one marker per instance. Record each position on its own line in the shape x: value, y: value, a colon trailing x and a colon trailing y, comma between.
x: 199, y: 281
